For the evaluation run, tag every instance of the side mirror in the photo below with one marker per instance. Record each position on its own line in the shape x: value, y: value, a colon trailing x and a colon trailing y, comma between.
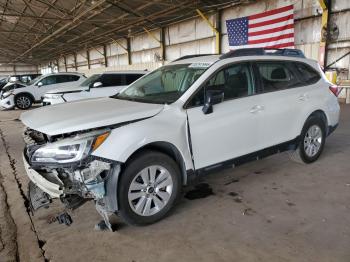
x: 39, y: 84
x: 96, y: 84
x: 213, y: 96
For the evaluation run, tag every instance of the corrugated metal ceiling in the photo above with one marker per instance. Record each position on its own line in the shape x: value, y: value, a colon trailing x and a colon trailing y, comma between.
x: 38, y: 30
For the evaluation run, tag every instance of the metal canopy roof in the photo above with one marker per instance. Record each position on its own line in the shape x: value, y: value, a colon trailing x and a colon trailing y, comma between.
x: 35, y: 31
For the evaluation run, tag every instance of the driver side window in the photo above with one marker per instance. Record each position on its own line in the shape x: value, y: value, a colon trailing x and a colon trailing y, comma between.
x: 235, y: 80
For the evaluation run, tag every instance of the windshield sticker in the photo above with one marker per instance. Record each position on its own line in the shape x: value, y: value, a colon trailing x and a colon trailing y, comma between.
x: 200, y: 65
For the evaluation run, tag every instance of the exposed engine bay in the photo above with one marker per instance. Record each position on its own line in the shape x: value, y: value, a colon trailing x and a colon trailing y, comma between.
x: 88, y: 178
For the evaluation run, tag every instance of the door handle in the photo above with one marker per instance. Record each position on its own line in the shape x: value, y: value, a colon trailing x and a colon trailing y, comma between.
x: 303, y: 97
x: 256, y: 109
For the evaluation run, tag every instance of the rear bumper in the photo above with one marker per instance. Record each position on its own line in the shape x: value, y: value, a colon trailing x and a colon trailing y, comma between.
x: 48, y: 187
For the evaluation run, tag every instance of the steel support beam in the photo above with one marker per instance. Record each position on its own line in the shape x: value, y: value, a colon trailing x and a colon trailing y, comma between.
x: 215, y: 30
x: 324, y: 30
x: 159, y: 41
x: 163, y: 45
x: 75, y: 61
x: 88, y: 58
x: 128, y: 47
x: 65, y: 63
x: 105, y: 55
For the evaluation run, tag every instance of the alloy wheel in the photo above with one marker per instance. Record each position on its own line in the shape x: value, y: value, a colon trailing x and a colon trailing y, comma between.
x: 150, y: 190
x: 23, y: 102
x: 313, y: 140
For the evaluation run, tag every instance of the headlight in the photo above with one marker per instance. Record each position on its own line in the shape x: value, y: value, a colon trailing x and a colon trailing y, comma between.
x: 7, y: 94
x: 69, y: 150
x: 53, y: 96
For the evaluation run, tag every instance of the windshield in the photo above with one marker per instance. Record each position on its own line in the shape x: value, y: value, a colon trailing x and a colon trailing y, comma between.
x: 90, y: 80
x: 164, y: 85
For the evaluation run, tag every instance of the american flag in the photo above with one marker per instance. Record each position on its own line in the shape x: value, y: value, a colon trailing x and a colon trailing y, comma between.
x: 273, y: 29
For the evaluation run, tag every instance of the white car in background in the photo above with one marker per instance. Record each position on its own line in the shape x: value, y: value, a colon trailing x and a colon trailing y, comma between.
x: 24, y: 96
x: 97, y: 85
x: 132, y: 152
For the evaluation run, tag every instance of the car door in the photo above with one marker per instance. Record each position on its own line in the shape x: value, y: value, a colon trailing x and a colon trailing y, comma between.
x: 44, y: 85
x: 284, y: 95
x: 232, y: 129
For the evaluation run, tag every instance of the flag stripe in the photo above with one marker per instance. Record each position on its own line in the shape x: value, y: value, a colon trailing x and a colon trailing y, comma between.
x: 286, y: 41
x: 271, y: 12
x: 271, y: 17
x: 264, y: 36
x: 270, y: 39
x: 272, y: 21
x: 270, y: 31
x: 284, y: 23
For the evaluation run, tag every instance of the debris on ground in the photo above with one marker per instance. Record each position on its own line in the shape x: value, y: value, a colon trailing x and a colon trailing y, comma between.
x: 234, y: 180
x: 63, y: 218
x: 248, y: 212
x: 289, y: 203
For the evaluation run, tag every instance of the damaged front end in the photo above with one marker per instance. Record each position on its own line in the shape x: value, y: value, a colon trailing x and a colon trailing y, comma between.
x: 63, y: 167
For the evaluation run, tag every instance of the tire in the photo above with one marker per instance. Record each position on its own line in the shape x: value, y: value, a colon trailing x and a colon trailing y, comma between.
x: 23, y: 101
x: 141, y: 204
x: 312, y: 140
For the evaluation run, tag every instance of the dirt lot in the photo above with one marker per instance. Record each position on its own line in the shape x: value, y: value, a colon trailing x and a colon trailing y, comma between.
x: 269, y: 210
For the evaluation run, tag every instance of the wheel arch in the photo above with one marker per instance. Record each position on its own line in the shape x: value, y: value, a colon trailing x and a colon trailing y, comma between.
x: 168, y: 149
x: 322, y: 115
x: 25, y: 93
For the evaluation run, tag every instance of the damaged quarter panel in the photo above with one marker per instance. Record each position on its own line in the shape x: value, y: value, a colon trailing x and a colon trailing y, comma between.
x: 169, y: 126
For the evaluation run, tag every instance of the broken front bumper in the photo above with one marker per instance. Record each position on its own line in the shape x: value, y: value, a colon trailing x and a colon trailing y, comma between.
x: 45, y: 185
x: 8, y: 102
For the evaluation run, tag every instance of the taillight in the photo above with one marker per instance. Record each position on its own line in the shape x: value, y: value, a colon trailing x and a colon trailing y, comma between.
x: 334, y: 89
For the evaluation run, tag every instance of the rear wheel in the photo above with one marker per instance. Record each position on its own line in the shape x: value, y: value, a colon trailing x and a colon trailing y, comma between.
x: 23, y: 101
x: 312, y: 140
x: 148, y: 188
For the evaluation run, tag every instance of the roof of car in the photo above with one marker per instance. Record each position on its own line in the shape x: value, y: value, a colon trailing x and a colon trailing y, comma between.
x: 250, y: 53
x: 198, y: 59
x: 127, y: 72
x: 63, y: 73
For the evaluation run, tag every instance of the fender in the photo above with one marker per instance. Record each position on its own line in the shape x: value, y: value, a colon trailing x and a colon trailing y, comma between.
x: 170, y: 128
x: 25, y: 93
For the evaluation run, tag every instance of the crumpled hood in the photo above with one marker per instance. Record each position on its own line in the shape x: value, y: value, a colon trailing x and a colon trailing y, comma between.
x: 67, y: 89
x: 86, y: 114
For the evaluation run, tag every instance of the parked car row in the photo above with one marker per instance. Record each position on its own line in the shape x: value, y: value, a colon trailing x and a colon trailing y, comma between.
x: 65, y: 87
x: 133, y: 151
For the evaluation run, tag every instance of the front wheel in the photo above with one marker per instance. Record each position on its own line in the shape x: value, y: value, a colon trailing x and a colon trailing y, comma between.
x: 148, y: 188
x: 312, y: 140
x: 23, y: 101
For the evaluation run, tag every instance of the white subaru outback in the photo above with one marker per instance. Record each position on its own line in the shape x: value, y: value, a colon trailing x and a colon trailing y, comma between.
x: 133, y: 152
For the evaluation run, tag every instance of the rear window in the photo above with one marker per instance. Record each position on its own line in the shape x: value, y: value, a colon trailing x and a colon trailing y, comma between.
x: 112, y: 80
x: 67, y: 78
x: 306, y: 73
x: 277, y: 76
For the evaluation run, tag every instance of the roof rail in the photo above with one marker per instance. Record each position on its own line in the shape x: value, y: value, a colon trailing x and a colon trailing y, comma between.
x: 190, y: 56
x: 263, y: 51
